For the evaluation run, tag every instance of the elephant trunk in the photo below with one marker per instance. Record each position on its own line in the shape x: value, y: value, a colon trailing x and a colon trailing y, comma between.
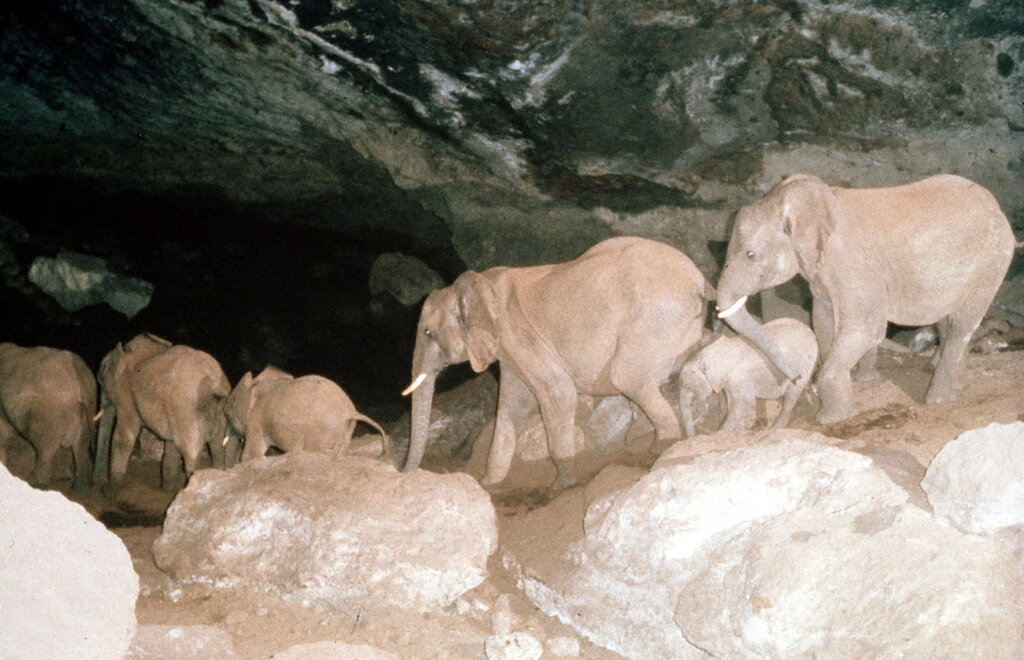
x: 105, y: 421
x: 740, y: 320
x: 422, y: 399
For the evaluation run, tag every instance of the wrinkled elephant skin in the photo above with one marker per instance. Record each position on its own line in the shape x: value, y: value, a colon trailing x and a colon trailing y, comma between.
x: 734, y: 366
x: 48, y: 398
x: 176, y: 392
x: 934, y: 251
x: 619, y: 319
x: 308, y: 413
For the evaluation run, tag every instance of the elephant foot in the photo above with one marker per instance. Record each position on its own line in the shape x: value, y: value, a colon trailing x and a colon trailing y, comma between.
x: 940, y: 395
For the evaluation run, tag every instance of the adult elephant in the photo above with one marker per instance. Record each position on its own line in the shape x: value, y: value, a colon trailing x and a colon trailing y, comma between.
x: 48, y: 398
x: 176, y: 393
x: 934, y: 251
x: 619, y: 319
x: 308, y: 413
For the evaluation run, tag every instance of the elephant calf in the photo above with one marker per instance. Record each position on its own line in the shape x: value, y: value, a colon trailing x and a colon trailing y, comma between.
x: 309, y: 413
x: 736, y: 366
x: 47, y: 397
x: 174, y: 392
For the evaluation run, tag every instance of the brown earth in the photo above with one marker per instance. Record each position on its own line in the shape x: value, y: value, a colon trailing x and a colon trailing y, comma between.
x: 894, y: 427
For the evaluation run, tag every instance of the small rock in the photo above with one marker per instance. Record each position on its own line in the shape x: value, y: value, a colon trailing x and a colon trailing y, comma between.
x: 503, y: 620
x: 516, y: 646
x: 976, y: 482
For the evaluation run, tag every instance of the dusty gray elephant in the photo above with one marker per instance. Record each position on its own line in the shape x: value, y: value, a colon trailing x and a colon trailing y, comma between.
x: 175, y: 392
x: 619, y: 319
x: 47, y: 397
x: 309, y: 413
x: 934, y: 251
x: 734, y: 365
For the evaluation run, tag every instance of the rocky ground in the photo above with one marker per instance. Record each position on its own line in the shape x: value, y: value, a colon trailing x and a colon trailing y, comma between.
x: 539, y: 529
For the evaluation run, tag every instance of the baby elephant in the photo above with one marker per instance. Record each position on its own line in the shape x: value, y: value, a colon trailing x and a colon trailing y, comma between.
x: 733, y: 364
x: 309, y: 413
x: 47, y: 397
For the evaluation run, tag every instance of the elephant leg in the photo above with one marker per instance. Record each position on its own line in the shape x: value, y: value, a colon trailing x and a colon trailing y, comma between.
x: 741, y: 411
x: 46, y: 451
x: 835, y: 386
x: 866, y: 369
x: 514, y: 398
x: 126, y: 431
x: 823, y: 322
x: 961, y: 326
x: 557, y: 397
x: 7, y: 436
x: 170, y: 467
x: 789, y: 401
x: 83, y: 465
x: 660, y: 412
x: 255, y: 443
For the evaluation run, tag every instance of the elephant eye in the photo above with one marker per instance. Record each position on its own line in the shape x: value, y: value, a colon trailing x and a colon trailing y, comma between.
x: 751, y: 255
x: 428, y: 332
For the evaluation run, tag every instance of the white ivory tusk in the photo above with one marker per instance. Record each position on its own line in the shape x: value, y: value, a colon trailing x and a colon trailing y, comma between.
x: 224, y: 442
x: 416, y: 383
x: 732, y: 308
x: 96, y: 417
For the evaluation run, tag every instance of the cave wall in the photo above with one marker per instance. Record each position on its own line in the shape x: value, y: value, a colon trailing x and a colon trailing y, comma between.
x: 473, y: 134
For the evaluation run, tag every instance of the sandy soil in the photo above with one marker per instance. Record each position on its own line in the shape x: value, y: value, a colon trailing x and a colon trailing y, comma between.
x: 894, y: 426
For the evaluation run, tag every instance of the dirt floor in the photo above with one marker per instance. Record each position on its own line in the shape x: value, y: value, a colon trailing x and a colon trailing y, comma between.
x: 894, y: 424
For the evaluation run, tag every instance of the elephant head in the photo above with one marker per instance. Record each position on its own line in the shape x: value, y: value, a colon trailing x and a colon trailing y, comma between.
x: 773, y: 239
x: 694, y: 391
x: 457, y: 324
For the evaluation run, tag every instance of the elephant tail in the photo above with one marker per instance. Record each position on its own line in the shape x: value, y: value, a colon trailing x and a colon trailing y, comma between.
x: 385, y: 443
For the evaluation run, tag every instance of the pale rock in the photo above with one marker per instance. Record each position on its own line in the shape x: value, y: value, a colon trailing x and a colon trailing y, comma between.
x: 347, y: 534
x: 333, y: 651
x: 976, y: 482
x: 181, y: 643
x: 780, y: 550
x: 514, y: 646
x: 77, y: 280
x: 67, y: 586
x: 503, y: 620
x: 407, y: 279
x: 563, y: 646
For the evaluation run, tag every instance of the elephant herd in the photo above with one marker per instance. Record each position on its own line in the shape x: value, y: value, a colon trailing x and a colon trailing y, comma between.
x: 175, y: 393
x: 622, y: 318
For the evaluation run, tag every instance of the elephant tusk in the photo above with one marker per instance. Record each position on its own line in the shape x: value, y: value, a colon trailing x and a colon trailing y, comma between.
x: 732, y: 309
x: 224, y: 442
x: 96, y: 417
x: 416, y: 383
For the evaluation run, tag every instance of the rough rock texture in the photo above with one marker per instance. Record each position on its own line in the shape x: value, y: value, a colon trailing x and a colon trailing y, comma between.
x: 554, y: 124
x: 76, y: 281
x: 360, y: 535
x: 782, y: 550
x: 406, y: 278
x: 976, y: 482
x: 181, y: 643
x: 67, y: 586
x: 333, y: 651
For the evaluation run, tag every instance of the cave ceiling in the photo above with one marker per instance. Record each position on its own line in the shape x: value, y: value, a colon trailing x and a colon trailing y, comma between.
x: 476, y: 133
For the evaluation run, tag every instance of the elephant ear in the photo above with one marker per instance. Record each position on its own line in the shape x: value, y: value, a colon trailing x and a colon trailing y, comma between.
x: 808, y: 217
x: 239, y: 403
x: 478, y: 317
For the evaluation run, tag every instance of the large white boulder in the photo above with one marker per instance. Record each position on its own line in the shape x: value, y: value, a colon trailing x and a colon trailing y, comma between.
x: 67, y: 585
x: 787, y: 549
x: 348, y: 534
x: 976, y: 482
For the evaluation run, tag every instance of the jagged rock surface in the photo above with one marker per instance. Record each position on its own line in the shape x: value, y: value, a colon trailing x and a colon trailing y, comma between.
x: 346, y: 534
x: 783, y: 549
x: 67, y: 585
